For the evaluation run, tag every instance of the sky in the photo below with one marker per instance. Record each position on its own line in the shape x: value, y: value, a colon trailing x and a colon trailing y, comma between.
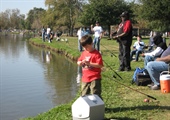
x: 23, y: 5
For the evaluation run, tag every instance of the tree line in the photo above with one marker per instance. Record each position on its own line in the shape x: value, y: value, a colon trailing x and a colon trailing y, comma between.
x: 71, y: 14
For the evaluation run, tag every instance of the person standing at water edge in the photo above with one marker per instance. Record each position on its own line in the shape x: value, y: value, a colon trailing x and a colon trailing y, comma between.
x: 124, y: 38
x: 91, y: 62
x: 80, y: 34
x: 48, y: 34
x: 43, y: 34
x: 98, y: 32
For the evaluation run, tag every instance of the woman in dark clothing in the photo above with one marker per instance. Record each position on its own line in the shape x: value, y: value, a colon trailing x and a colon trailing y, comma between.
x: 161, y: 47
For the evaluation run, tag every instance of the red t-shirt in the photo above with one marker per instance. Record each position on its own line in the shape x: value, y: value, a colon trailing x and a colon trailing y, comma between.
x: 127, y: 26
x: 90, y: 73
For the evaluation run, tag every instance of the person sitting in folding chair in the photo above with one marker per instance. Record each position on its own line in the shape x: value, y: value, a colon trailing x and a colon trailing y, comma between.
x: 161, y: 47
x: 138, y: 48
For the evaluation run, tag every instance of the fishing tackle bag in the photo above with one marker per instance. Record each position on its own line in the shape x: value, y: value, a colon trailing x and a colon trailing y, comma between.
x: 141, y: 77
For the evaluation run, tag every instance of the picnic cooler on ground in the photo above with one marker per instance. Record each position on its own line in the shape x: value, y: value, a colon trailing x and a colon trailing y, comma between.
x: 90, y: 107
x: 165, y: 82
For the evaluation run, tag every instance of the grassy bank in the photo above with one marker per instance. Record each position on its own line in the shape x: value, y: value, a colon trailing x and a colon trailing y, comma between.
x: 121, y: 102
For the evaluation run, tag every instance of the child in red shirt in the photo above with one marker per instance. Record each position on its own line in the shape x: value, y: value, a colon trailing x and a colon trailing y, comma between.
x: 91, y: 61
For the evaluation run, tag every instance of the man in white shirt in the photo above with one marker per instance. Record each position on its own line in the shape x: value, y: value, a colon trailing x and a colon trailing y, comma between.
x: 80, y: 35
x: 98, y: 31
x: 138, y: 48
x: 48, y: 34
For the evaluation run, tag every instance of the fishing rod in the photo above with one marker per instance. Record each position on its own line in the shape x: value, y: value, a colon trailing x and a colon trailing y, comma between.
x: 112, y: 54
x: 113, y: 71
x: 126, y: 85
x: 133, y: 89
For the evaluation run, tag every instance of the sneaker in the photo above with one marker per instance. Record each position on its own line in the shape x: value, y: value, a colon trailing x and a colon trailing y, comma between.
x: 155, y: 87
x: 150, y: 85
x: 128, y: 69
x: 121, y: 69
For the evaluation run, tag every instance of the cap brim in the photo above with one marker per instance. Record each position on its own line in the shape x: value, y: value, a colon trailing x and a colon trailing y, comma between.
x: 122, y: 15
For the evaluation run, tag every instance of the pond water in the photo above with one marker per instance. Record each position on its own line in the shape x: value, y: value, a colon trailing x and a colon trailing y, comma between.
x: 32, y: 79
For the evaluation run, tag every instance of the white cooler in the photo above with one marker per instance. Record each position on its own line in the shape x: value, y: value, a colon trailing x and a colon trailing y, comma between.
x: 90, y: 107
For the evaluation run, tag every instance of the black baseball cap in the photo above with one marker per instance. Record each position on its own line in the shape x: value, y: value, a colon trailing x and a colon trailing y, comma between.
x: 124, y: 14
x: 97, y: 22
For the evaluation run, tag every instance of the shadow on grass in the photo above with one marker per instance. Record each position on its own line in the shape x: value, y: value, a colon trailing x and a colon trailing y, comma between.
x: 124, y: 118
x: 108, y: 110
x: 120, y: 118
x: 121, y: 109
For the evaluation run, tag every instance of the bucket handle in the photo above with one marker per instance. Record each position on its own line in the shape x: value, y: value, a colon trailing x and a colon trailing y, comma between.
x: 165, y: 72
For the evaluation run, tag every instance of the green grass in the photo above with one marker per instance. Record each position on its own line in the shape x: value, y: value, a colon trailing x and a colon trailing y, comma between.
x: 121, y: 102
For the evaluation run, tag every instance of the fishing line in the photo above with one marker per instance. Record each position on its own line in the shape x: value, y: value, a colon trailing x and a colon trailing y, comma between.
x: 113, y: 71
x: 109, y: 65
x: 126, y: 85
x: 112, y: 54
x: 135, y: 90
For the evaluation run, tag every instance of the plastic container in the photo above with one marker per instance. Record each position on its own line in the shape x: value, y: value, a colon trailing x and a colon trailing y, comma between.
x: 165, y: 82
x: 89, y: 107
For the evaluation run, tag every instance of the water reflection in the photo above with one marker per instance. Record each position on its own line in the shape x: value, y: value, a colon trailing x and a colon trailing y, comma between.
x: 46, y: 56
x: 79, y: 74
x: 33, y: 79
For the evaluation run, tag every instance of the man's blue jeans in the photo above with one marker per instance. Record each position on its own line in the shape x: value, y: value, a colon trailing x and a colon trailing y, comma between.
x: 43, y: 37
x: 154, y: 69
x: 96, y: 43
x: 148, y: 59
x: 80, y: 48
x: 137, y: 52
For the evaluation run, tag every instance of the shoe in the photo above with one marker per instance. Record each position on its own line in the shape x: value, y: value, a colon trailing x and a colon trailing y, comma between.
x: 150, y: 85
x: 121, y: 69
x: 155, y: 87
x: 128, y: 69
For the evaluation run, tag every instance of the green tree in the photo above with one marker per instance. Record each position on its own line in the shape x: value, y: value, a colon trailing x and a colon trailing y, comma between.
x: 4, y: 19
x: 34, y: 19
x: 63, y: 13
x: 157, y: 12
x: 12, y: 18
x: 22, y: 21
x: 107, y: 12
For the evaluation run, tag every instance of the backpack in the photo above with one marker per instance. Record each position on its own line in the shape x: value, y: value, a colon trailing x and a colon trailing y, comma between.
x: 141, y: 77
